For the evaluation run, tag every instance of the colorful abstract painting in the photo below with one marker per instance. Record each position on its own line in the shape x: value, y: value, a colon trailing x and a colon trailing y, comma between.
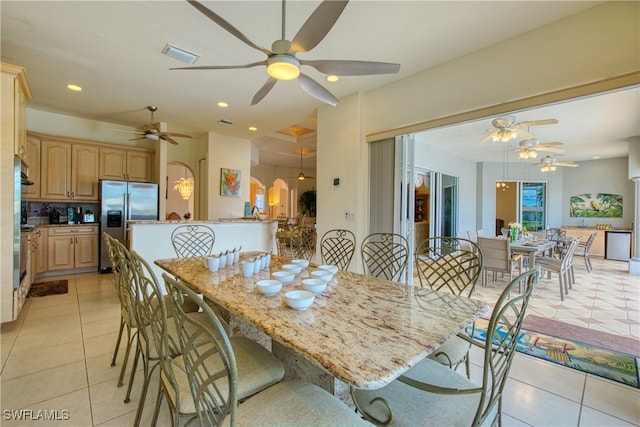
x: 230, y: 182
x: 596, y: 205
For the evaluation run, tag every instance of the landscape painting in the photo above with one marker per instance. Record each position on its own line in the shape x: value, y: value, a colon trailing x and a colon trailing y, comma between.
x: 596, y: 205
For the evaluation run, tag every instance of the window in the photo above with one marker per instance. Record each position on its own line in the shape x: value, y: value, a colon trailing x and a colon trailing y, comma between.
x: 532, y: 205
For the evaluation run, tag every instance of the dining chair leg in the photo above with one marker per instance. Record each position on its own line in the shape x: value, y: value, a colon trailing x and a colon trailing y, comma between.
x: 125, y: 361
x: 561, y: 289
x: 127, y: 397
x: 115, y: 352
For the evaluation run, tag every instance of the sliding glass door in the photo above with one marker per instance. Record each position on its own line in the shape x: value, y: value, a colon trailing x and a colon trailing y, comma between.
x: 532, y: 206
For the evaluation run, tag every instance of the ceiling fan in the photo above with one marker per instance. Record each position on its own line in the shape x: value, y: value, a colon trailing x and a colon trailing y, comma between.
x: 281, y: 61
x: 529, y: 148
x: 507, y: 128
x: 301, y: 176
x: 151, y: 131
x: 549, y: 164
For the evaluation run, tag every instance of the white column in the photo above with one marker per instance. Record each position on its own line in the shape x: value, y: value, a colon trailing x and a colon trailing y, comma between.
x: 634, y: 262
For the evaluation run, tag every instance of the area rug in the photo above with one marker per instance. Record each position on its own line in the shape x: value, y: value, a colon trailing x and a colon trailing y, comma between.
x: 614, y: 365
x: 564, y: 330
x: 54, y: 287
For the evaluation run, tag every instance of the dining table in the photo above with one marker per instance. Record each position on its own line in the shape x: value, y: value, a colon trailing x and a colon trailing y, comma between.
x: 533, y: 248
x: 361, y: 331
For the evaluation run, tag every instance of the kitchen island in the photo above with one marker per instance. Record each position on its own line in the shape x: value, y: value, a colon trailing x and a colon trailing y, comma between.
x: 152, y: 239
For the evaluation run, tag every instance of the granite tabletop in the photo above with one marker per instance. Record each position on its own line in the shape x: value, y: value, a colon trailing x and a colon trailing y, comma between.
x: 364, y: 331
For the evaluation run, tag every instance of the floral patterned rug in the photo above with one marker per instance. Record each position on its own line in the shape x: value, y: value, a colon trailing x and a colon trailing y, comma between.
x: 610, y: 364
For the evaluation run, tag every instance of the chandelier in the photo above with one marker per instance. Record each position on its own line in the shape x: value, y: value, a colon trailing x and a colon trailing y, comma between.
x: 184, y: 187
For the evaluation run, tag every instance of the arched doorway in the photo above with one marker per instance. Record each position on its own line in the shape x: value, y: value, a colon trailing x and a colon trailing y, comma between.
x: 257, y: 195
x: 279, y: 198
x: 179, y: 204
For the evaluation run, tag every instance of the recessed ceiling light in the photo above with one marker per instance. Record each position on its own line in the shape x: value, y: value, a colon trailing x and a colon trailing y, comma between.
x: 222, y: 104
x: 253, y: 128
x: 595, y: 157
x: 332, y: 78
x: 73, y: 87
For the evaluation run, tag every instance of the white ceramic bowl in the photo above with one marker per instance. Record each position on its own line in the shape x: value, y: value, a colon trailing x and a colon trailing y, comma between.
x: 299, y: 300
x: 301, y: 262
x: 262, y: 217
x: 322, y: 275
x: 269, y: 287
x: 314, y: 285
x: 283, y: 276
x: 332, y: 268
x: 294, y: 268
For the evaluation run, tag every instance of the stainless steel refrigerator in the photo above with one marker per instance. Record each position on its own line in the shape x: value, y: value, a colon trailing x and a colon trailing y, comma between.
x: 123, y: 201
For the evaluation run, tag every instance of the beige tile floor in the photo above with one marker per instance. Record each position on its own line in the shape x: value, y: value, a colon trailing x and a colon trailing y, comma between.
x: 57, y: 355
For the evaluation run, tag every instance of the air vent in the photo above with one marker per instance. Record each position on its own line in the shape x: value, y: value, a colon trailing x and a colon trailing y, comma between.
x: 225, y: 122
x: 180, y: 54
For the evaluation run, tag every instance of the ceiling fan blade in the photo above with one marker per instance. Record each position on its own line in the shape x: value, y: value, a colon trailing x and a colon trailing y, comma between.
x: 550, y: 149
x: 487, y: 138
x: 136, y: 139
x: 353, y: 68
x: 137, y: 132
x: 222, y: 67
x: 264, y: 90
x: 537, y: 122
x: 149, y: 127
x: 314, y: 89
x: 550, y: 144
x: 169, y: 139
x: 171, y: 134
x: 317, y: 25
x: 567, y: 164
x: 227, y: 26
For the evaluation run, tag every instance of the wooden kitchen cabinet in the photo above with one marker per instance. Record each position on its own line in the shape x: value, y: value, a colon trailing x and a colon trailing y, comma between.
x: 16, y: 91
x: 68, y: 171
x: 597, y: 248
x: 41, y: 253
x: 72, y: 247
x: 123, y: 164
x: 33, y: 161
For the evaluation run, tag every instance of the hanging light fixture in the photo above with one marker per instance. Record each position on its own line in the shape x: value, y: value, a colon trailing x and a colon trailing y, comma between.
x: 184, y: 187
x: 503, y: 185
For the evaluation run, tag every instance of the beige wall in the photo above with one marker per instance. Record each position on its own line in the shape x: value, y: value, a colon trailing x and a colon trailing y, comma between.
x: 597, y: 44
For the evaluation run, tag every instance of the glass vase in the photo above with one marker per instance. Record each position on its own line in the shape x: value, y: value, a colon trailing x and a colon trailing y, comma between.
x: 514, y: 234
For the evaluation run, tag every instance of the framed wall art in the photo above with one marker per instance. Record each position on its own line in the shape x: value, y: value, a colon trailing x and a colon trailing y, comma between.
x: 596, y: 205
x: 229, y: 182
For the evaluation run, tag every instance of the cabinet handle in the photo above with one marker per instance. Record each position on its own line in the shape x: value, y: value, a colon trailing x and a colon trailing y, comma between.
x: 68, y: 195
x: 76, y: 240
x: 73, y: 195
x: 71, y: 240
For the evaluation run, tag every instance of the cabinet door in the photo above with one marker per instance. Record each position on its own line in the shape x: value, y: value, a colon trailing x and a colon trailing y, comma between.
x: 113, y: 163
x: 139, y: 166
x: 33, y: 160
x: 20, y: 121
x: 60, y: 252
x: 55, y: 167
x: 86, y: 250
x: 84, y: 172
x: 41, y: 253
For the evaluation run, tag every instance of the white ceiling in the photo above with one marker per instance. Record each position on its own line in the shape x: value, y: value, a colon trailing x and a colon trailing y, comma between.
x: 113, y: 50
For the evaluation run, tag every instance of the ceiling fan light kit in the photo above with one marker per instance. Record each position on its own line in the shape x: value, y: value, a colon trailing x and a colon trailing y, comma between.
x: 283, y: 67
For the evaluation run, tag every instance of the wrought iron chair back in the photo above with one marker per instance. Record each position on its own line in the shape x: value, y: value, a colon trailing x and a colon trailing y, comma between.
x: 211, y: 368
x: 122, y: 280
x: 385, y: 255
x: 303, y: 243
x: 337, y: 248
x: 425, y: 403
x: 449, y: 264
x: 193, y: 240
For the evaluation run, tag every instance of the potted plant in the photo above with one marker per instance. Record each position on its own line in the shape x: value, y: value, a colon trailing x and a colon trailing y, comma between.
x: 307, y: 202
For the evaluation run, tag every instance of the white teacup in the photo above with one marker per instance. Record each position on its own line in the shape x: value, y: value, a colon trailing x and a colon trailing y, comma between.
x: 213, y: 263
x: 247, y: 268
x: 236, y: 255
x: 257, y: 265
x: 230, y: 257
x: 223, y: 260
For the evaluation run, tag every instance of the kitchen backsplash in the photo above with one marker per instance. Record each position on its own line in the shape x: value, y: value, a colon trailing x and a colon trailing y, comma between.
x: 38, y: 213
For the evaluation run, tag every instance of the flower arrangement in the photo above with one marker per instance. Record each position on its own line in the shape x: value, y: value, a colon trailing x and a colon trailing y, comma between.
x: 515, y: 228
